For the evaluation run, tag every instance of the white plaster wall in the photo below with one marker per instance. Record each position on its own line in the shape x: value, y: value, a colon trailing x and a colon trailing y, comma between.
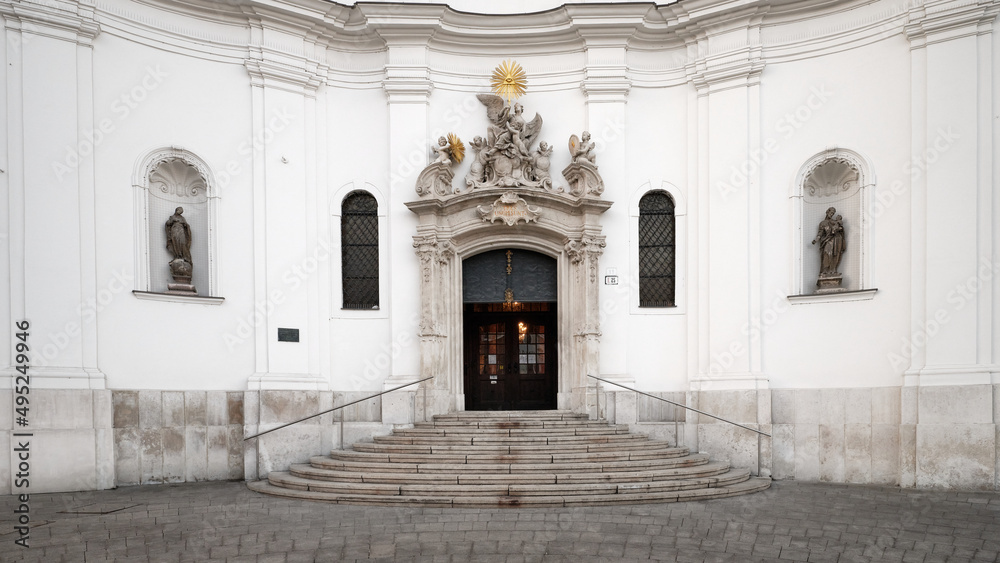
x: 825, y: 361
x: 837, y: 344
x: 203, y: 106
x: 654, y: 342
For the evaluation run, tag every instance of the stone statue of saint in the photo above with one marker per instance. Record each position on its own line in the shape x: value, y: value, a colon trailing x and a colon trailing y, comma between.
x: 179, y: 236
x: 832, y: 243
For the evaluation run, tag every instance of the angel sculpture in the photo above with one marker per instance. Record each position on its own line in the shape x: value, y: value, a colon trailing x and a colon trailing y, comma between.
x: 540, y: 163
x: 477, y: 173
x: 582, y: 174
x: 582, y: 150
x: 443, y: 150
x: 507, y: 158
x: 437, y: 176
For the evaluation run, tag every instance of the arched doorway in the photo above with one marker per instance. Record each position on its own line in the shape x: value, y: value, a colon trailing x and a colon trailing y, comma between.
x: 510, y: 356
x: 561, y: 227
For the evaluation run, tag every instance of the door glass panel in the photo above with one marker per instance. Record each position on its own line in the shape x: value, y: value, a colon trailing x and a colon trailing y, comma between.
x: 491, y: 349
x: 531, y: 348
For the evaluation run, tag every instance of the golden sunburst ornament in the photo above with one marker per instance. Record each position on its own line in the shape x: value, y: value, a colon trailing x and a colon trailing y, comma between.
x: 457, y: 148
x: 509, y: 80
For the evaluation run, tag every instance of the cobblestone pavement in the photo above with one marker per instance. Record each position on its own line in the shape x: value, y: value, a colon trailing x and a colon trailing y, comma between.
x: 227, y: 522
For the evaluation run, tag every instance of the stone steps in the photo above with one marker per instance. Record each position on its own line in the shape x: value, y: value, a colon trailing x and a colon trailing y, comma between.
x: 477, y: 459
x: 751, y: 485
x: 633, y: 445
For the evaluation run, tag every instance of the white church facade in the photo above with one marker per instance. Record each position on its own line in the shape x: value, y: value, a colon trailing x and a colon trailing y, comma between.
x: 219, y: 217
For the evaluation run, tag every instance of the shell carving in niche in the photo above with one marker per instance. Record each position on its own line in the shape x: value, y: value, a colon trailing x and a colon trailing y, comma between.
x: 831, y: 178
x: 179, y: 179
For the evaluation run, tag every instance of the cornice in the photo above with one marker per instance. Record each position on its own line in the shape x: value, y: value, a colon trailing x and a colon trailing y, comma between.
x: 931, y: 21
x: 564, y: 202
x: 711, y: 44
x: 58, y: 19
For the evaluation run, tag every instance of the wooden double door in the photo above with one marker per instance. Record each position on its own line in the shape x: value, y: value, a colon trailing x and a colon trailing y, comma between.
x: 510, y: 356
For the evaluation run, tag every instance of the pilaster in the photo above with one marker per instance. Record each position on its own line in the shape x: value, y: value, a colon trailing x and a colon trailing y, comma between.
x: 948, y: 435
x: 50, y: 181
x: 725, y: 64
x: 285, y: 176
x: 606, y: 85
x: 407, y: 87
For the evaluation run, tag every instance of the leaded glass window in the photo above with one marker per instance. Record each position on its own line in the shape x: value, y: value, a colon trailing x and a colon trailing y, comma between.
x: 359, y: 251
x: 656, y: 250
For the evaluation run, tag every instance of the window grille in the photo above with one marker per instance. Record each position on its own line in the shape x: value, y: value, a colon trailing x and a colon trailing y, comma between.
x: 656, y: 250
x: 359, y: 251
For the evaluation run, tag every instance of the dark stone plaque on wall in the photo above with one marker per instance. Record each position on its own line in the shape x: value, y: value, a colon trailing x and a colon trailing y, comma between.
x: 288, y: 335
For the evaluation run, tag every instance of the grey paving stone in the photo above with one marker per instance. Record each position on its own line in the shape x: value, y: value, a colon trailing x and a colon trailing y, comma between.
x: 790, y: 521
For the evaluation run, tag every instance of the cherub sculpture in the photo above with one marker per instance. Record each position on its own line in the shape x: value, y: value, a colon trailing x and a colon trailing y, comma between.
x: 582, y: 150
x: 540, y: 163
x: 582, y: 174
x: 437, y: 176
x: 477, y: 173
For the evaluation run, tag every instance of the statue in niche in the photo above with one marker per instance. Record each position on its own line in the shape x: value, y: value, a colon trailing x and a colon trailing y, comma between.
x: 437, y: 176
x: 179, y: 245
x: 505, y: 155
x: 179, y: 236
x: 832, y: 243
x: 582, y: 174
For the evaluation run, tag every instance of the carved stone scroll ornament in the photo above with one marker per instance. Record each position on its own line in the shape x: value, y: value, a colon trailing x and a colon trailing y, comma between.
x: 432, y: 254
x: 509, y: 208
x: 582, y: 174
x: 831, y: 177
x: 588, y: 247
x: 436, y: 178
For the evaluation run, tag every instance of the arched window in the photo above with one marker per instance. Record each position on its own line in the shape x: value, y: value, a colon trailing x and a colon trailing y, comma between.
x: 657, y: 257
x: 359, y: 251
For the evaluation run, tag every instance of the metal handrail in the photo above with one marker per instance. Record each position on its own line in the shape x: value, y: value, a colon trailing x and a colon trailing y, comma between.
x: 676, y: 437
x: 680, y: 405
x: 338, y: 408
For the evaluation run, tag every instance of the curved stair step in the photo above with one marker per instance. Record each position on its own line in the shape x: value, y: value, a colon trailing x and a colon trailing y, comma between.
x: 443, y: 501
x: 710, y: 469
x: 284, y: 479
x: 473, y: 439
x: 510, y: 424
x: 519, y: 415
x: 634, y: 445
x: 551, y: 467
x: 597, y: 430
x: 486, y: 456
